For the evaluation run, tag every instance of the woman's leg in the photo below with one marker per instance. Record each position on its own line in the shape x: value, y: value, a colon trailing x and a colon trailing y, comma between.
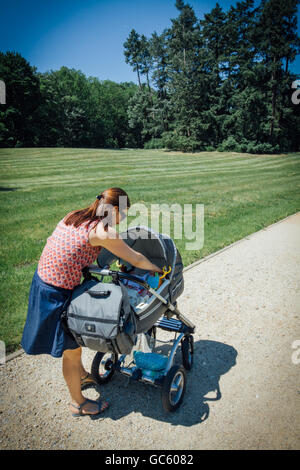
x: 83, y: 372
x: 73, y: 371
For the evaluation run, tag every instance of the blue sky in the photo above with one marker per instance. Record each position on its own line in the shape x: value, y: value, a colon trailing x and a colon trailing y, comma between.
x: 88, y: 35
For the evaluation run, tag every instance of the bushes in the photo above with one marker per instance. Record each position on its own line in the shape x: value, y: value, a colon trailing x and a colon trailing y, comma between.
x: 111, y: 143
x: 263, y: 148
x: 209, y: 148
x: 231, y: 145
x: 181, y: 143
x: 154, y: 144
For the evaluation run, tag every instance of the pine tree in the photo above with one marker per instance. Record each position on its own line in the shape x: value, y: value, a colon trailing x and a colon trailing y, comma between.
x: 278, y: 43
x: 162, y: 115
x: 243, y: 110
x: 183, y: 44
x: 145, y: 59
x: 215, y: 57
x: 139, y: 115
x: 159, y: 54
x: 133, y: 53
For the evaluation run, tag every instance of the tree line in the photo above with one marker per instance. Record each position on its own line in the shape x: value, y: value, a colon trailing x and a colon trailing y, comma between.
x: 62, y: 108
x: 218, y: 83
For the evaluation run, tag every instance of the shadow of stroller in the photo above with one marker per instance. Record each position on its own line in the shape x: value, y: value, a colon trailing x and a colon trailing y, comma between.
x: 211, y: 360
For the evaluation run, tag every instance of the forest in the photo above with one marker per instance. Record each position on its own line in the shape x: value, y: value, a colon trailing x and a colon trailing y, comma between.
x: 218, y: 83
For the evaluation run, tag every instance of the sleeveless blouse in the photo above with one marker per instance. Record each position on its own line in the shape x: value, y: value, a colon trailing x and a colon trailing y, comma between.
x: 65, y: 254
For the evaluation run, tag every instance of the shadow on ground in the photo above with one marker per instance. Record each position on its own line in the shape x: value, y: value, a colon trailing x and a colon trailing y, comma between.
x: 211, y: 360
x: 3, y: 188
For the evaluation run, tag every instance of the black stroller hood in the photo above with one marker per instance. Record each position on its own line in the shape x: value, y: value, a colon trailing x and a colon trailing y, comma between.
x: 145, y: 241
x: 160, y: 249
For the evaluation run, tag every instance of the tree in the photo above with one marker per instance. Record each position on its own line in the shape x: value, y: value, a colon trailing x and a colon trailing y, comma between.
x: 245, y: 108
x: 278, y: 42
x: 109, y: 106
x: 159, y: 54
x: 183, y: 45
x: 139, y: 115
x: 18, y: 115
x: 133, y: 53
x: 64, y: 108
x: 145, y: 58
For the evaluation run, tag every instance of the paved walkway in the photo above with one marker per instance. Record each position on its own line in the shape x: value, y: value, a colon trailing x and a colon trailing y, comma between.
x: 243, y: 391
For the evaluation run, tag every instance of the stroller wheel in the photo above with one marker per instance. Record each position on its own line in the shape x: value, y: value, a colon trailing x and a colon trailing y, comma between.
x: 103, y: 366
x: 187, y: 350
x: 173, y: 388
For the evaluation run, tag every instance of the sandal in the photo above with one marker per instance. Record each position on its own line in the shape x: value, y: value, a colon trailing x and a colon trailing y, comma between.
x: 87, y: 400
x: 87, y: 380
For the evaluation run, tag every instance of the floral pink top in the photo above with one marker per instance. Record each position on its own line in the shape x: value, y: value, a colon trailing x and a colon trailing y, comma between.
x: 66, y: 252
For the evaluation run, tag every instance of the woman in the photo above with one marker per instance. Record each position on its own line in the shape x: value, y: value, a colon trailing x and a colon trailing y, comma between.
x: 74, y: 244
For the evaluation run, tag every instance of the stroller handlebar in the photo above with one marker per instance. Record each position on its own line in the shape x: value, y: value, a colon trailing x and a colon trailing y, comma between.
x: 117, y: 275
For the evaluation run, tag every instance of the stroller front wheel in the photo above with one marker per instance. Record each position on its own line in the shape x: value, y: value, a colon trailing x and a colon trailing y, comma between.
x: 173, y: 388
x: 103, y: 367
x: 187, y: 350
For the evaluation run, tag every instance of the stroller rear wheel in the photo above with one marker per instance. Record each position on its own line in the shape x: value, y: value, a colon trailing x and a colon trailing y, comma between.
x: 173, y: 388
x: 103, y: 367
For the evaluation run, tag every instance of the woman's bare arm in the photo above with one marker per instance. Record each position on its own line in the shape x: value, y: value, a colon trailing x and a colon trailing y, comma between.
x: 112, y: 241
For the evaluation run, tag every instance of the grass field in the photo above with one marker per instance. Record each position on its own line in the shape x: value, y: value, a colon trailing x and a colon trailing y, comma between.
x: 241, y: 193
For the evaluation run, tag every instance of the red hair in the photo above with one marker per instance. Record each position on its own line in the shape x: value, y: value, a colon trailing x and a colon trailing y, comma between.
x: 98, y: 209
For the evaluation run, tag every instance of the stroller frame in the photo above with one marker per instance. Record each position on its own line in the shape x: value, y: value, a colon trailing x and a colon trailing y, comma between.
x: 172, y: 379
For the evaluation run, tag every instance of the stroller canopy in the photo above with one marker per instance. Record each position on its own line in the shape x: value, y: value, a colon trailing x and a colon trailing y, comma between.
x: 160, y: 250
x: 146, y: 241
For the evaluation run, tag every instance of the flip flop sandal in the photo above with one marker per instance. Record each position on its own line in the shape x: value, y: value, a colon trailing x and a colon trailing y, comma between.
x: 87, y: 380
x: 87, y: 400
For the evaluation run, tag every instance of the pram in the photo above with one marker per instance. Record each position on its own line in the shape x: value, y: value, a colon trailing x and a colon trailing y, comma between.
x: 156, y: 313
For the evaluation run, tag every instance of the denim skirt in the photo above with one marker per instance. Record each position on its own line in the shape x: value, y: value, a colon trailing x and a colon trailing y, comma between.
x: 43, y: 331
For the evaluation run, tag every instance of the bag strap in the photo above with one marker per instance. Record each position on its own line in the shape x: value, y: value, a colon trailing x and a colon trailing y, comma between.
x: 64, y: 324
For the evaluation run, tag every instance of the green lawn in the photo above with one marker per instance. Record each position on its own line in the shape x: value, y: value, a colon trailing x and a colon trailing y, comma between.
x: 241, y: 193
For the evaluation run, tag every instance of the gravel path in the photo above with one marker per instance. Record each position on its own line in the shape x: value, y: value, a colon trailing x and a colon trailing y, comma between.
x: 242, y: 393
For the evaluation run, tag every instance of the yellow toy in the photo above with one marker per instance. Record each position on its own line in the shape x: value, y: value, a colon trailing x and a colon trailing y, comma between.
x: 165, y: 272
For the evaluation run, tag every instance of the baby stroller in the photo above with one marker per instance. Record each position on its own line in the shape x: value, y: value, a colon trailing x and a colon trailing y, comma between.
x: 153, y: 314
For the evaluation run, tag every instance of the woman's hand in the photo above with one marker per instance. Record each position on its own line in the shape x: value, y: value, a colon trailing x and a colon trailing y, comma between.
x: 156, y: 269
